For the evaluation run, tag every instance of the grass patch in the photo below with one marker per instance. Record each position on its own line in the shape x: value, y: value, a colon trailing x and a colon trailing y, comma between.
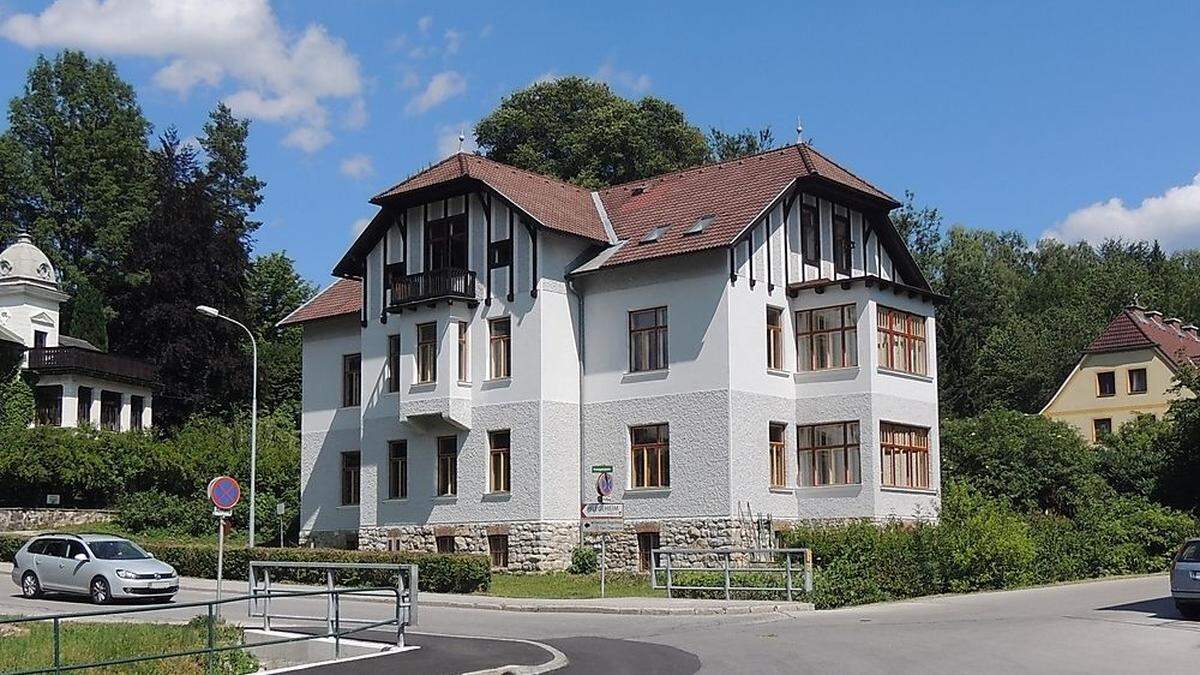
x: 31, y: 646
x: 571, y: 586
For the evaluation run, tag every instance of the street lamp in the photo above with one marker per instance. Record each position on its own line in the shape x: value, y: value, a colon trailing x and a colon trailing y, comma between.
x: 216, y: 314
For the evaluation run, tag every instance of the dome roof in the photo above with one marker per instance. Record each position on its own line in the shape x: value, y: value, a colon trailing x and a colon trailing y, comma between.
x: 26, y: 262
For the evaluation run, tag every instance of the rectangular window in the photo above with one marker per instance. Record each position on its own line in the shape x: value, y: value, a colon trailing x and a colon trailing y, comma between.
x: 447, y: 466
x: 500, y: 348
x: 826, y: 338
x: 39, y: 339
x: 647, y: 544
x: 902, y: 341
x: 464, y: 353
x: 499, y: 466
x: 351, y: 471
x: 426, y: 352
x: 500, y: 253
x: 83, y: 407
x: 1106, y: 384
x: 110, y: 410
x: 774, y: 338
x: 842, y: 243
x: 136, y: 405
x: 48, y: 405
x: 1137, y: 380
x: 1100, y: 428
x: 905, y: 455
x: 650, y: 456
x: 498, y: 550
x: 445, y: 543
x: 828, y: 454
x: 393, y: 361
x: 351, y: 380
x: 648, y: 339
x: 778, y: 455
x: 810, y: 233
x: 398, y: 470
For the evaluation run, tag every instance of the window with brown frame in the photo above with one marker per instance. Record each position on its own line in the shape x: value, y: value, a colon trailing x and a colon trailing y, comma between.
x: 83, y: 407
x: 398, y: 470
x: 828, y: 454
x: 1106, y: 384
x: 110, y: 410
x: 648, y: 543
x: 1137, y: 380
x: 650, y: 456
x: 774, y: 338
x: 778, y: 455
x: 48, y: 405
x: 351, y: 380
x: 447, y: 466
x: 1101, y: 427
x: 648, y: 339
x: 498, y: 550
x: 826, y: 338
x: 137, y: 405
x: 393, y: 363
x: 426, y: 352
x: 499, y: 465
x: 444, y: 543
x: 901, y: 341
x: 351, y: 472
x: 464, y: 353
x: 810, y: 233
x: 842, y: 243
x: 905, y: 455
x: 500, y: 348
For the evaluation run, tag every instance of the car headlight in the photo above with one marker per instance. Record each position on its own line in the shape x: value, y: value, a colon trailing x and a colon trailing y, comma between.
x: 126, y: 574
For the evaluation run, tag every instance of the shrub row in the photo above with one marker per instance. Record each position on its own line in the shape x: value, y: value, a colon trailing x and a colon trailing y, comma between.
x: 439, y: 573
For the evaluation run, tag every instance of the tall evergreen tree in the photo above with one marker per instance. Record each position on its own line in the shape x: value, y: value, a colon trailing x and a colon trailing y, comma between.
x: 725, y: 145
x: 89, y: 319
x: 237, y: 192
x: 274, y: 290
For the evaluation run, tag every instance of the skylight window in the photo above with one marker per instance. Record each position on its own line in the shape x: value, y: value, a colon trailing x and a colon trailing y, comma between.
x: 654, y: 234
x: 700, y: 224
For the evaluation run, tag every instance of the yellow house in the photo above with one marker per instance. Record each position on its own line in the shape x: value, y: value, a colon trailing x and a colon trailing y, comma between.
x: 1126, y: 371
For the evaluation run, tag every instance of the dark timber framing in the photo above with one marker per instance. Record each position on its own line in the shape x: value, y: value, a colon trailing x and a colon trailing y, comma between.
x: 767, y: 234
x: 383, y: 278
x: 362, y: 315
x: 750, y: 253
x: 787, y: 249
x: 533, y: 264
x: 485, y: 201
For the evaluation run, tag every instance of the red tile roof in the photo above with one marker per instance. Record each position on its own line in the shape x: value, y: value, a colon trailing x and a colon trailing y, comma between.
x: 341, y: 298
x: 1137, y: 328
x: 555, y: 204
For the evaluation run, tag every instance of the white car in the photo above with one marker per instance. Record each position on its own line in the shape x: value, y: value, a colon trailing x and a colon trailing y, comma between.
x: 101, y: 566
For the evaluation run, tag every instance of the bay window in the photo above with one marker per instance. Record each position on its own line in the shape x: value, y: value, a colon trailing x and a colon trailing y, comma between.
x: 826, y: 338
x: 902, y: 341
x: 828, y: 454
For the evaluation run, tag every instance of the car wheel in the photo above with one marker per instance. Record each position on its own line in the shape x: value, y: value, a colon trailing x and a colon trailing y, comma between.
x: 1189, y: 610
x: 30, y: 586
x: 99, y: 591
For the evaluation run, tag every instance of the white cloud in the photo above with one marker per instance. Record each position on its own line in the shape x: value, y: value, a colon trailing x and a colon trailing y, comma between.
x: 1172, y: 218
x: 447, y: 139
x: 357, y: 166
x: 637, y: 83
x: 355, y: 116
x: 425, y: 23
x: 357, y: 227
x: 442, y: 87
x: 279, y: 76
x: 454, y: 40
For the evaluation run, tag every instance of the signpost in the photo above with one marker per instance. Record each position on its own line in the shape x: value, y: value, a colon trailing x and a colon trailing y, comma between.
x: 280, y: 509
x: 225, y: 493
x: 601, y: 517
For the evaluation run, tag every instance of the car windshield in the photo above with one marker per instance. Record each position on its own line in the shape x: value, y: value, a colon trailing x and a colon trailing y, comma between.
x: 1190, y: 553
x: 117, y: 550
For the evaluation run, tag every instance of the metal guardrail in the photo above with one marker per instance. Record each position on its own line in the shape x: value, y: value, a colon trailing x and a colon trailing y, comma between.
x: 211, y: 649
x: 259, y: 582
x: 768, y: 561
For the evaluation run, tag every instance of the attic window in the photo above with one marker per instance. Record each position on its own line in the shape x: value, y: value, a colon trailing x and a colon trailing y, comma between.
x: 637, y: 190
x: 699, y: 226
x: 653, y: 235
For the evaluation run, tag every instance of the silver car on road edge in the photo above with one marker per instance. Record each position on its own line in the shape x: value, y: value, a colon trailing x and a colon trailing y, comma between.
x: 1185, y: 579
x: 101, y: 566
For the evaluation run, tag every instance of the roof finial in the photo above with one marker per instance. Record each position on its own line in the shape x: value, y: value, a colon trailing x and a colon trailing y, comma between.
x: 1137, y: 301
x: 799, y: 130
x: 462, y: 136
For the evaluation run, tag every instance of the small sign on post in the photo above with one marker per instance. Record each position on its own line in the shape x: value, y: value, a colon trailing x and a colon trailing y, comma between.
x: 225, y: 493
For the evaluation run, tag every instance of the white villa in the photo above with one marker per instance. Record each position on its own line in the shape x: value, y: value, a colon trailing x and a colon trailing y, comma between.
x: 76, y: 383
x: 749, y: 344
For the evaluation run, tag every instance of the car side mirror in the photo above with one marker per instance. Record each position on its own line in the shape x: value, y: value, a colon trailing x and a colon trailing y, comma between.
x: 81, y: 557
x: 150, y: 554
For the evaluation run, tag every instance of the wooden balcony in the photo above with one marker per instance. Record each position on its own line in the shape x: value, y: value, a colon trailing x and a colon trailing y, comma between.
x: 430, y: 287
x: 55, y: 360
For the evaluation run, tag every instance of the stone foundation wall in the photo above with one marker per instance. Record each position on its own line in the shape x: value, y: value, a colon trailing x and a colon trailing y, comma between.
x: 532, y: 546
x: 622, y: 551
x: 14, y: 519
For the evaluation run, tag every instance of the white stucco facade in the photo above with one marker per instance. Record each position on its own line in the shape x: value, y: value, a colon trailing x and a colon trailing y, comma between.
x: 571, y: 398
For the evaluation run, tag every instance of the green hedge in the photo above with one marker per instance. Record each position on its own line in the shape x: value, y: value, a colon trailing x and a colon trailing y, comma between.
x: 440, y: 573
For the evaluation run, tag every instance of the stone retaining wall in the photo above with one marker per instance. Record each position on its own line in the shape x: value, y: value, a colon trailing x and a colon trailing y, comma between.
x: 532, y: 546
x: 18, y: 519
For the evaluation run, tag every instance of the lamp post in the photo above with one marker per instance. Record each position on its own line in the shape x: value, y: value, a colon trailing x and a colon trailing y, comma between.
x: 216, y: 314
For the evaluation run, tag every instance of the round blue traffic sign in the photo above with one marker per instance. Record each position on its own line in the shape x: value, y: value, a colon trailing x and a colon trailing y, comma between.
x: 224, y: 492
x: 604, y: 484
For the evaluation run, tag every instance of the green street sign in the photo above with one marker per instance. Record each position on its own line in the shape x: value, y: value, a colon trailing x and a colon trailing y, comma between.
x: 602, y: 468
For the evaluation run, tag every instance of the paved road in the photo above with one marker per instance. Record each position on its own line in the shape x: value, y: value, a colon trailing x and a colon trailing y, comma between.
x: 1115, y: 626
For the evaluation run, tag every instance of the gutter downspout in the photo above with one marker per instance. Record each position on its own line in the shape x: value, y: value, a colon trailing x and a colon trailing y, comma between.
x: 573, y: 285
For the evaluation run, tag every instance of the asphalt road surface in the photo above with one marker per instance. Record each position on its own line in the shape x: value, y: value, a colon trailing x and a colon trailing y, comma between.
x: 1114, y: 626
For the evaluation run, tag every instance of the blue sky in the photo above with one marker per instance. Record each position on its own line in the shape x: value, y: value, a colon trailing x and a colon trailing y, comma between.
x: 1032, y: 117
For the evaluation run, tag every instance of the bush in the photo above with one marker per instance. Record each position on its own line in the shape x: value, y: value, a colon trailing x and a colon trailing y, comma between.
x: 584, y: 560
x: 439, y: 573
x: 155, y: 510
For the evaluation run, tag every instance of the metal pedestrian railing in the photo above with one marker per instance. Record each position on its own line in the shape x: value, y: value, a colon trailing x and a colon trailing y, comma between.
x: 405, y: 583
x: 211, y: 649
x: 732, y: 570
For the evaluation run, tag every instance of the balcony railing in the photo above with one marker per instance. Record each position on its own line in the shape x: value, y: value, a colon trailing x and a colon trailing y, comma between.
x: 47, y: 360
x: 448, y: 283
